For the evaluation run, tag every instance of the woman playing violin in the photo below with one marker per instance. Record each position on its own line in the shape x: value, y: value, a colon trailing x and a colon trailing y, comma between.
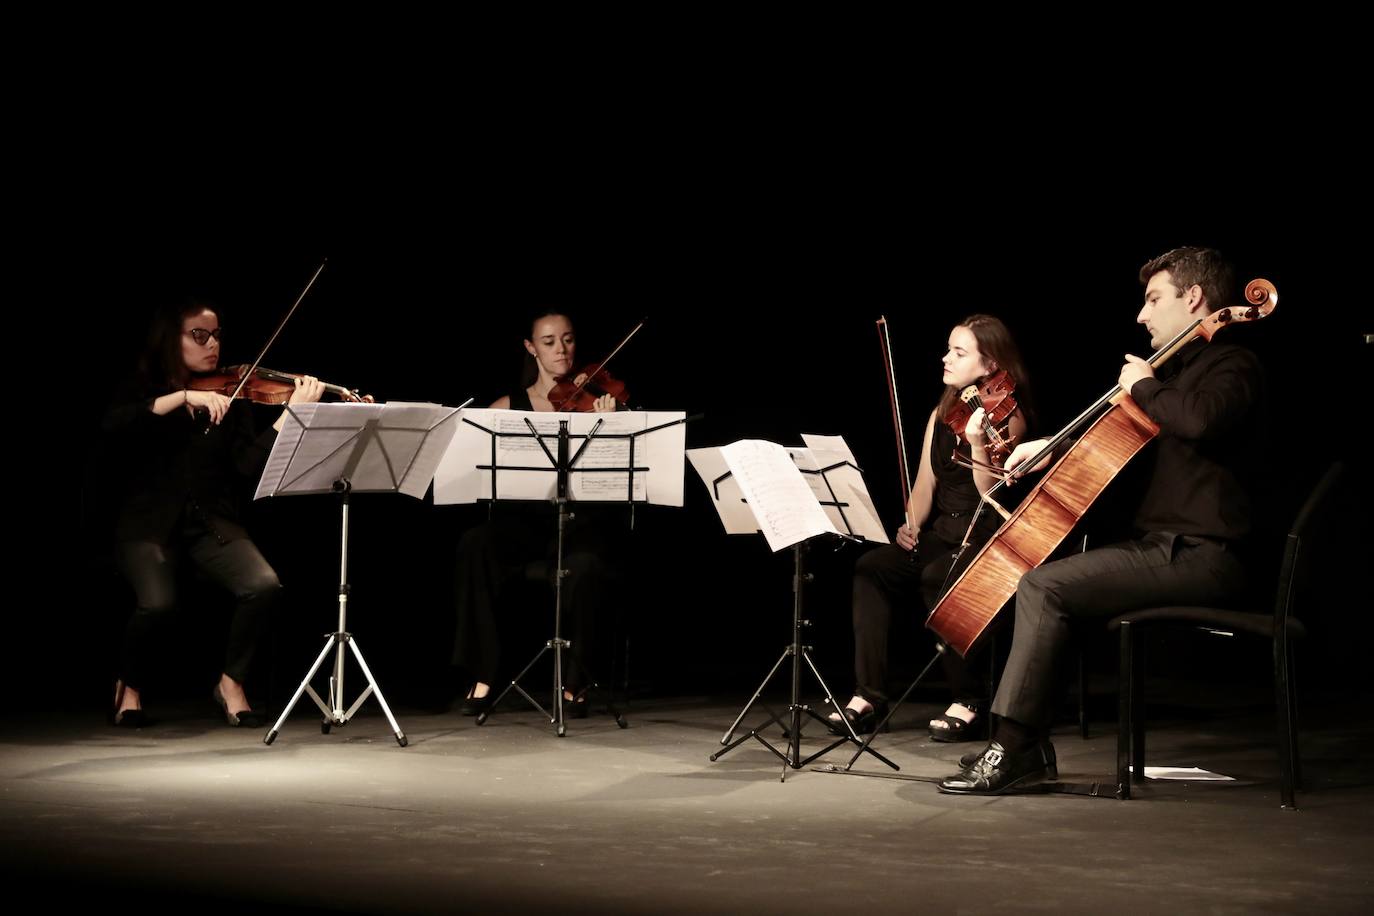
x: 519, y: 540
x: 184, y: 451
x: 944, y: 499
x: 552, y: 349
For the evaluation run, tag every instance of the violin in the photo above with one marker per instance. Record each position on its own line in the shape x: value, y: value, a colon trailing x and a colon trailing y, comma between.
x: 265, y: 386
x: 568, y: 395
x: 994, y: 395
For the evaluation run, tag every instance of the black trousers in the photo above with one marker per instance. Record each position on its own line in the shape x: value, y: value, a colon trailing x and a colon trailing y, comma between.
x: 496, y: 557
x: 1159, y: 570
x: 888, y: 581
x: 151, y: 569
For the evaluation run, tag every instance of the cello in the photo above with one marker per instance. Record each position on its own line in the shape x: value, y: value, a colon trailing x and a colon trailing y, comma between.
x: 1119, y: 430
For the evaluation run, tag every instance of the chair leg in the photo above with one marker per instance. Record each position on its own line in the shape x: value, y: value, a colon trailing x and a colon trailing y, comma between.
x: 1125, y: 714
x: 1082, y: 693
x: 1137, y: 688
x: 1283, y: 709
x: 1294, y: 719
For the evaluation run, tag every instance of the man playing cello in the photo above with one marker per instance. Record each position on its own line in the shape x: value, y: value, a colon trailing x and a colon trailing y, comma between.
x: 1208, y: 401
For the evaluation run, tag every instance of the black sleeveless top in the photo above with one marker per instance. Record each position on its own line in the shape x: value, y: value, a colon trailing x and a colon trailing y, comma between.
x: 956, y: 495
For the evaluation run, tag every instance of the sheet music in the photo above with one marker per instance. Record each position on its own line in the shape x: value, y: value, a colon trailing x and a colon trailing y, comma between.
x: 400, y: 454
x: 830, y: 444
x: 605, y: 452
x: 734, y: 512
x: 781, y: 499
x: 525, y: 471
x: 847, y: 482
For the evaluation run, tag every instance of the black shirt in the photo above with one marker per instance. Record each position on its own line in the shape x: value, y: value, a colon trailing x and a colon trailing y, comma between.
x: 167, y: 466
x: 1209, y: 401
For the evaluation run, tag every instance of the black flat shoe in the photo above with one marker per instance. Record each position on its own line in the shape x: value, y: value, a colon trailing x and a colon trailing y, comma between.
x: 862, y: 722
x: 1051, y: 761
x: 997, y: 771
x: 575, y: 709
x: 952, y: 728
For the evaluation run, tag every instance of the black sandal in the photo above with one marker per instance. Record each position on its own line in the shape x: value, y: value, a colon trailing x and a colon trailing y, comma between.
x: 863, y: 722
x: 955, y: 728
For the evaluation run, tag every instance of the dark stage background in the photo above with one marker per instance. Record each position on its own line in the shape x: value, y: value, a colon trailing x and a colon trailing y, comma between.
x: 760, y: 317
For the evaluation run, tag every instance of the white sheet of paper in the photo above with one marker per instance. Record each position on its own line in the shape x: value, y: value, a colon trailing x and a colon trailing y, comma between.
x: 829, y: 444
x: 525, y: 472
x: 856, y: 515
x: 781, y: 499
x: 735, y: 514
x: 402, y: 456
x: 849, y: 488
x: 1186, y: 774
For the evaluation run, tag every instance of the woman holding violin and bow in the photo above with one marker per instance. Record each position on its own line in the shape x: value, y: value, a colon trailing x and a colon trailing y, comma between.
x: 519, y: 539
x: 185, y: 447
x: 962, y: 445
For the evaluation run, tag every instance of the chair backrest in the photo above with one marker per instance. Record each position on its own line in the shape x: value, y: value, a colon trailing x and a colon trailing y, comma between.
x: 1302, y: 545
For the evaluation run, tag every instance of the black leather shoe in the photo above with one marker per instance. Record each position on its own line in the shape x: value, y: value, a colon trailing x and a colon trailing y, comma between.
x: 1051, y: 762
x: 475, y: 706
x: 125, y: 718
x: 863, y: 722
x: 997, y: 771
x: 575, y: 709
x: 247, y: 718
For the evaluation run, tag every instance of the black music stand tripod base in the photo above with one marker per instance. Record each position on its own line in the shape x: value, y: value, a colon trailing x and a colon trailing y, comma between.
x: 556, y: 718
x: 557, y: 645
x: 792, y: 728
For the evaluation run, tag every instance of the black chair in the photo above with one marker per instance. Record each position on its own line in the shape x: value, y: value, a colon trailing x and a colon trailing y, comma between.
x: 1281, y: 627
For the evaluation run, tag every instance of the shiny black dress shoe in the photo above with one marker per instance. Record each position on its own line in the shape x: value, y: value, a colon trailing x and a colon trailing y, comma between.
x: 997, y: 771
x: 1051, y: 761
x: 863, y: 722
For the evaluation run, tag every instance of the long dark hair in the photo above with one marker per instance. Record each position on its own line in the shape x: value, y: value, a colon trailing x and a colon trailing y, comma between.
x: 996, y: 347
x: 162, y: 364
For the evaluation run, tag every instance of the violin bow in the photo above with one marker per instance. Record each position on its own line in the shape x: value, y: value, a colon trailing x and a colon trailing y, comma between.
x: 578, y: 390
x: 271, y: 340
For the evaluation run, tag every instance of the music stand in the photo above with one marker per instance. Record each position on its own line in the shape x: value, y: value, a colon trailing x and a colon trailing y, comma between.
x: 342, y: 449
x: 503, y: 472
x: 791, y: 505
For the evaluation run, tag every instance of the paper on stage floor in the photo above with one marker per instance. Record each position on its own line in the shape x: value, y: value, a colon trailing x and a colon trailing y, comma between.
x: 525, y: 472
x: 401, y: 452
x: 1185, y: 774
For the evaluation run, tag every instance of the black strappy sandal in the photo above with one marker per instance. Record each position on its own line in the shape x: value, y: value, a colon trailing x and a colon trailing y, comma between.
x: 955, y: 728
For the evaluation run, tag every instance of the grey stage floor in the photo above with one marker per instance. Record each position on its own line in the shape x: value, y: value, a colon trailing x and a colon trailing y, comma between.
x: 189, y: 815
